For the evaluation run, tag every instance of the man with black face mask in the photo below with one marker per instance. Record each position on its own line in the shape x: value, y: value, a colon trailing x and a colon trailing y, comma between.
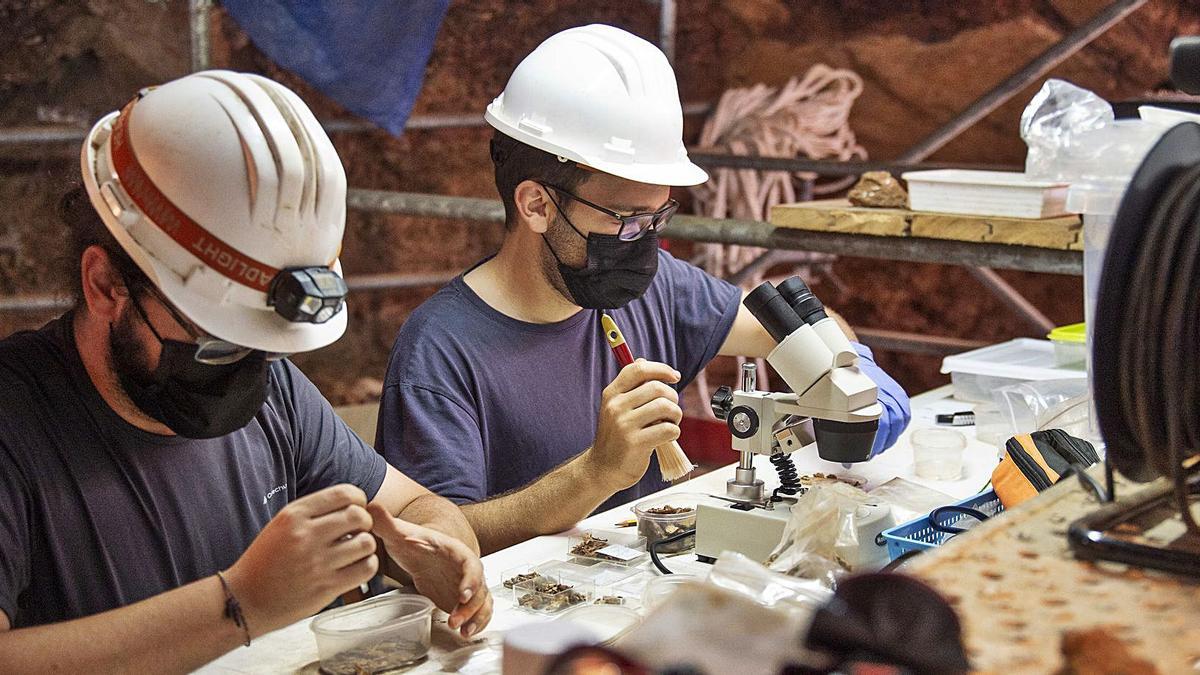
x: 171, y: 486
x: 502, y: 393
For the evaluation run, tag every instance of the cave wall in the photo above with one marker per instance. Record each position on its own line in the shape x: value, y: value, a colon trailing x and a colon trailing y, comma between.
x: 69, y: 62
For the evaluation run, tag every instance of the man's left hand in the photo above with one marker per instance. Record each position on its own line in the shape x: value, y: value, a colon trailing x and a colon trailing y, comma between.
x: 443, y: 569
x: 896, y: 413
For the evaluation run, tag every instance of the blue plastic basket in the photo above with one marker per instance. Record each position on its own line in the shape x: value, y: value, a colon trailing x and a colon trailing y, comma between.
x: 918, y: 535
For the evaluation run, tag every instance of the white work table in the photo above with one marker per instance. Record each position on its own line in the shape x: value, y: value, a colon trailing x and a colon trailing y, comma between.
x: 294, y: 649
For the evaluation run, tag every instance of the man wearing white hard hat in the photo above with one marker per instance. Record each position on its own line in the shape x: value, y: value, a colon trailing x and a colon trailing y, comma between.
x: 502, y: 393
x: 171, y: 486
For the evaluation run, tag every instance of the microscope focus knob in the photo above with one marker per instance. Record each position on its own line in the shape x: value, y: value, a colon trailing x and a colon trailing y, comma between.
x: 743, y: 422
x: 722, y: 402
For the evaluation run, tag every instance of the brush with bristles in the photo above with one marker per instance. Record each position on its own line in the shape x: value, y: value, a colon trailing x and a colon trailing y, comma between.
x: 673, y: 463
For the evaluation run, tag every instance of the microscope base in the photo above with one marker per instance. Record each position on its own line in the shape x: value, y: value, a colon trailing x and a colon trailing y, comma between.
x: 756, y: 532
x: 753, y: 533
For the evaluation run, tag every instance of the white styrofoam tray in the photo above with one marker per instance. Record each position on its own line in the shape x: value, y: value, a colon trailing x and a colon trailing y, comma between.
x: 1020, y: 359
x: 985, y: 193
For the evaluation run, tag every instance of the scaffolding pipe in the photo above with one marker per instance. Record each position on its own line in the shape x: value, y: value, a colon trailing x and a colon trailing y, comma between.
x: 757, y: 233
x: 874, y: 338
x: 362, y: 283
x: 666, y: 29
x: 1057, y: 53
x: 198, y: 20
x: 826, y: 167
x: 50, y: 133
x: 432, y: 206
x: 1013, y: 299
x: 915, y: 343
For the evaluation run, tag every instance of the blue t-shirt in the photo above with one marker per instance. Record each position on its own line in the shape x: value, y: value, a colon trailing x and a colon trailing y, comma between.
x: 477, y: 403
x: 96, y: 513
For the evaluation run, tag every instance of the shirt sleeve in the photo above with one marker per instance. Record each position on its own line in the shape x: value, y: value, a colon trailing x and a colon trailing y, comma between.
x: 434, y: 440
x: 14, y: 535
x: 328, y: 452
x: 704, y: 308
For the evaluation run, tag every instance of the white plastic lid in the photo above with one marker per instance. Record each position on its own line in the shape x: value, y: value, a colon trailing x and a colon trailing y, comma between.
x: 1020, y: 359
x: 608, y: 622
x: 1015, y: 179
x: 529, y: 648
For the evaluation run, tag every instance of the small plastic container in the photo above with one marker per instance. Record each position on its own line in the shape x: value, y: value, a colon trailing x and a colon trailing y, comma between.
x: 515, y: 575
x: 938, y: 453
x: 977, y: 373
x: 607, y: 622
x: 599, y: 574
x: 380, y: 634
x: 1070, y: 344
x: 654, y: 524
x: 551, y: 593
x: 659, y: 588
x: 620, y: 548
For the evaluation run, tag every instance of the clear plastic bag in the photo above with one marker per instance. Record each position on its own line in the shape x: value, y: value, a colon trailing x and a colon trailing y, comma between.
x: 910, y: 500
x: 1055, y: 125
x: 1048, y: 404
x: 735, y: 572
x: 820, y: 540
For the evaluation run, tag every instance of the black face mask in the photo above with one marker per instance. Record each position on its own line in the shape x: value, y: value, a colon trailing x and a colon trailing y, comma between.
x: 193, y: 399
x: 616, y: 271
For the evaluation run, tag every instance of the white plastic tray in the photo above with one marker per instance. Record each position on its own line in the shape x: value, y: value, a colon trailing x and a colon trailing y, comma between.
x: 985, y: 193
x: 976, y: 374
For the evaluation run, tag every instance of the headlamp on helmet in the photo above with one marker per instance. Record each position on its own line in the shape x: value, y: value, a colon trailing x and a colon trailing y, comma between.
x: 307, y: 294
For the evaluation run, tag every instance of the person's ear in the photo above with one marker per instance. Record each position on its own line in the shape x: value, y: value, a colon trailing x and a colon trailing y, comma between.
x: 534, y: 208
x: 104, y: 290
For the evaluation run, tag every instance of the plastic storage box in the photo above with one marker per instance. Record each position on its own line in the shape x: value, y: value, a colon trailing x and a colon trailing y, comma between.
x: 1070, y: 344
x: 985, y: 193
x: 976, y: 374
x: 376, y: 635
x: 552, y: 592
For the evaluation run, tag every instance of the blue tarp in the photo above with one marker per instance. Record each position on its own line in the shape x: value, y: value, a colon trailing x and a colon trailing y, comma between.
x: 368, y: 55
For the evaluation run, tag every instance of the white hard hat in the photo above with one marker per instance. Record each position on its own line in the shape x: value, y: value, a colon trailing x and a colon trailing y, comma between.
x: 602, y: 97
x: 216, y: 184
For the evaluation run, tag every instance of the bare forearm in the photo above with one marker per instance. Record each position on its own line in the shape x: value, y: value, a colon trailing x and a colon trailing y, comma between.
x: 438, y: 513
x: 177, y: 631
x: 551, y: 504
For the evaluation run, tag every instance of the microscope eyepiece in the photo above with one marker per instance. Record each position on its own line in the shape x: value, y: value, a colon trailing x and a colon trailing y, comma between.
x: 806, y: 305
x: 772, y: 311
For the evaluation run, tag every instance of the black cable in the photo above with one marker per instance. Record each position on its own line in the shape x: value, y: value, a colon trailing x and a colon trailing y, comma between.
x: 936, y: 514
x: 789, y: 477
x: 1155, y: 376
x: 678, y: 536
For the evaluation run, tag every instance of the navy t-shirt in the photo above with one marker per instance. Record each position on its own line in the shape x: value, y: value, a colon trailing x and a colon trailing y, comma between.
x: 477, y: 403
x: 96, y: 513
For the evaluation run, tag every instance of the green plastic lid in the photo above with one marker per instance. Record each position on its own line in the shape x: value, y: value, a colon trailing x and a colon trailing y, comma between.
x: 1075, y: 333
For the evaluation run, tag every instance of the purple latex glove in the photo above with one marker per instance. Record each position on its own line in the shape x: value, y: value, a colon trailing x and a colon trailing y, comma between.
x: 892, y: 397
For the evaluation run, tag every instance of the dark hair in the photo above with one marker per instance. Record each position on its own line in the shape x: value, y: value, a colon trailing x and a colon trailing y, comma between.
x: 85, y: 229
x: 515, y: 162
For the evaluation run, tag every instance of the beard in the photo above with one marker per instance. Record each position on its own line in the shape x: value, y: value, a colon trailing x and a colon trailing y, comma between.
x: 563, y: 239
x: 128, y: 355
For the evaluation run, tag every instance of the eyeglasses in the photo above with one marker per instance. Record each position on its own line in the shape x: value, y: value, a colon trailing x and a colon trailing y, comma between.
x: 210, y: 351
x: 633, y: 226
